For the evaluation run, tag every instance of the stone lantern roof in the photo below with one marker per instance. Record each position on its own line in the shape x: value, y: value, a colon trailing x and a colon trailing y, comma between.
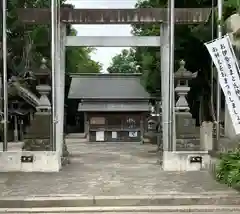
x: 182, y: 73
x: 43, y: 71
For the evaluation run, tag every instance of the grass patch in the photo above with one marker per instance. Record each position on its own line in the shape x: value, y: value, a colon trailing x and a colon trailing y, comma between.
x: 228, y: 169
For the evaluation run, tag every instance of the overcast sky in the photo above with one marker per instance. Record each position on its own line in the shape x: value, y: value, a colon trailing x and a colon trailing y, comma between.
x: 104, y: 55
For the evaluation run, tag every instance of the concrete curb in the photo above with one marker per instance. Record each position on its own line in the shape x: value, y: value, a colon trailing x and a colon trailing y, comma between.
x: 230, y: 198
x: 132, y: 209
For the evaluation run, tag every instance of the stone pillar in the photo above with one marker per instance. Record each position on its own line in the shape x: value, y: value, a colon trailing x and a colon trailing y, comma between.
x: 229, y: 131
x: 88, y: 130
x: 206, y: 136
x: 142, y: 129
x: 15, y: 129
x: 60, y: 70
x: 61, y: 147
x: 85, y: 124
x: 165, y: 83
x: 21, y: 129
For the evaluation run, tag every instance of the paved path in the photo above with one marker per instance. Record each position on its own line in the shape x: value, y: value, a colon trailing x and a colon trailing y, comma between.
x: 108, y: 169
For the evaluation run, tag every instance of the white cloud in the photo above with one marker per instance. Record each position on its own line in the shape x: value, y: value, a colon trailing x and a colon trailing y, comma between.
x: 104, y: 55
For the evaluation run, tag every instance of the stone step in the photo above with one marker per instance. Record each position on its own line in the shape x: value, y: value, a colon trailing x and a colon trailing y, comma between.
x: 130, y: 209
x: 79, y: 160
x: 230, y: 198
x: 76, y: 136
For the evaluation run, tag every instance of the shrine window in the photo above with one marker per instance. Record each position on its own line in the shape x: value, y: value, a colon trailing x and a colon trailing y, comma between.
x: 97, y: 121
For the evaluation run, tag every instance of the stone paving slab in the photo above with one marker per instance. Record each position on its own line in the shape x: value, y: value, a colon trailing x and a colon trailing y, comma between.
x: 120, y: 201
x: 135, y: 212
x: 137, y: 209
x: 109, y: 169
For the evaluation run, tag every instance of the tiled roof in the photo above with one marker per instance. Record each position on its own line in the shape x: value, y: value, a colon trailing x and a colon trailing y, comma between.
x: 107, y: 86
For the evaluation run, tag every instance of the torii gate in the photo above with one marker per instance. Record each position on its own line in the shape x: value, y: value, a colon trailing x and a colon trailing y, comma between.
x: 111, y: 16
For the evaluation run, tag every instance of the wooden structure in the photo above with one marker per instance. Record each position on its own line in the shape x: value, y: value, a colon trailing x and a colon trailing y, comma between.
x: 114, y: 106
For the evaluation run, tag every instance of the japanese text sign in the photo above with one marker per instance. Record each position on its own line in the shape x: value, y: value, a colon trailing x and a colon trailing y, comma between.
x: 224, y: 59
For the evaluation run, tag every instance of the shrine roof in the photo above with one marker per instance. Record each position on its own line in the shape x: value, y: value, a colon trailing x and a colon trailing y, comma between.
x: 107, y: 86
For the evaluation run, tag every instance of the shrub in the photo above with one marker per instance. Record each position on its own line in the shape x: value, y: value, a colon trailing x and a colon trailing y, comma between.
x: 228, y: 169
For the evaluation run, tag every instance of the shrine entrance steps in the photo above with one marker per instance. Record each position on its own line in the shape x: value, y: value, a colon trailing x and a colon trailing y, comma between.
x: 76, y: 136
x: 165, y: 203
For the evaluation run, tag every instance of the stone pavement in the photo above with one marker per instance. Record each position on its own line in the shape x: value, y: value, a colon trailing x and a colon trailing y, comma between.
x: 108, y: 169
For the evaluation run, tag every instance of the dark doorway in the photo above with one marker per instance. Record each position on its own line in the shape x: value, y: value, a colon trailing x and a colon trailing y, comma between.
x: 80, y: 122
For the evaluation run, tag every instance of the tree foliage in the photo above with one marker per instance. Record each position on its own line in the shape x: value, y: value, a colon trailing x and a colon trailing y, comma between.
x: 19, y: 36
x: 124, y: 62
x: 228, y: 169
x: 79, y: 59
x: 189, y: 45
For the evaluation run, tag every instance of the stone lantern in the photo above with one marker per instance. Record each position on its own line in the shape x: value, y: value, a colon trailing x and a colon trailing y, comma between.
x: 43, y: 87
x: 182, y: 76
x: 185, y: 124
x: 38, y: 137
x: 39, y: 132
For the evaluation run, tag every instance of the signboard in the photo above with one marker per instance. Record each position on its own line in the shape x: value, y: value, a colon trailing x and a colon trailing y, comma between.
x: 114, y: 135
x: 100, y: 136
x: 133, y: 134
x: 225, y: 61
x: 97, y: 121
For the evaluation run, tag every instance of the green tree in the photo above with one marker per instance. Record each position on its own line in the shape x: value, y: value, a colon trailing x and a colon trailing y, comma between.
x: 189, y: 45
x: 39, y: 35
x: 79, y: 59
x: 186, y: 44
x: 20, y: 35
x: 124, y: 62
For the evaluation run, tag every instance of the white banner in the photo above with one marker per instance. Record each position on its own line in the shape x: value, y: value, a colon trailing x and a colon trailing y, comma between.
x: 224, y: 59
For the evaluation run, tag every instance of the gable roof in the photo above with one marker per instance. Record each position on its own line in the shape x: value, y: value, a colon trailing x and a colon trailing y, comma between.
x: 107, y: 86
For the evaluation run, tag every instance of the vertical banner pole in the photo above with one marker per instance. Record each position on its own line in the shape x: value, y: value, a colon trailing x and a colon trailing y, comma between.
x: 171, y: 75
x: 5, y: 79
x: 220, y: 8
x: 212, y: 65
